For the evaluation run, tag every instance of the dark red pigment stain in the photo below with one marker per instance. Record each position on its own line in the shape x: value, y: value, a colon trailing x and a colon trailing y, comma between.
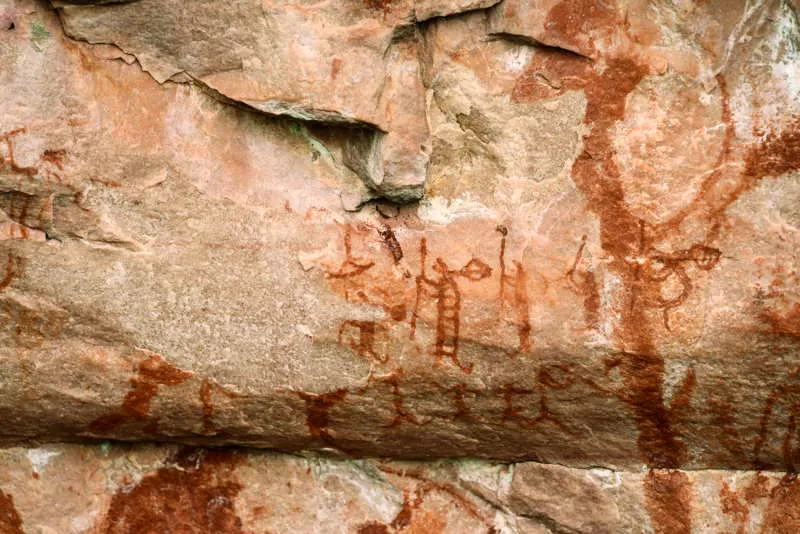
x: 207, y: 399
x: 668, y: 500
x: 733, y: 507
x: 737, y: 504
x: 598, y: 176
x: 336, y: 66
x: 13, y: 269
x: 52, y: 160
x: 584, y: 283
x: 9, y: 160
x: 722, y: 413
x: 570, y: 20
x: 373, y: 528
x: 401, y: 413
x: 194, y: 495
x: 777, y: 154
x: 787, y: 393
x: 783, y: 512
x: 360, y: 336
x: 548, y: 378
x: 660, y: 266
x: 458, y: 394
x: 51, y: 156
x: 379, y: 5
x: 317, y: 407
x: 352, y: 265
x: 208, y: 389
x: 514, y: 292
x: 30, y: 211
x: 56, y: 157
x: 10, y: 521
x: 391, y: 242
x: 153, y: 372
x: 414, y: 499
x: 551, y: 73
x: 642, y: 369
x: 784, y: 324
x: 444, y: 289
x: 393, y: 380
x: 596, y: 173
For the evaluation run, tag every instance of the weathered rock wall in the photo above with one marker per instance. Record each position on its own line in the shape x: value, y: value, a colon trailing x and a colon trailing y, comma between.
x: 553, y: 231
x: 124, y: 489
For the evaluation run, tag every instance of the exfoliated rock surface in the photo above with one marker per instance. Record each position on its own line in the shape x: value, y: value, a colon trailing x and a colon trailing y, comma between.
x: 136, y: 489
x: 554, y: 231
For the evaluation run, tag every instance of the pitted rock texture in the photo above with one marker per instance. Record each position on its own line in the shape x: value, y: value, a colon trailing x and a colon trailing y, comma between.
x: 201, y: 241
x: 116, y: 488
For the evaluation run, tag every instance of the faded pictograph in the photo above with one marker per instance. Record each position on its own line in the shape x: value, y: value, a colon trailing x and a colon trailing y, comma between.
x: 152, y: 375
x: 31, y: 190
x: 443, y: 289
x: 663, y: 280
x: 431, y: 303
x: 50, y: 163
x: 778, y: 433
x: 513, y: 296
x: 427, y: 292
x: 27, y: 196
x: 361, y: 337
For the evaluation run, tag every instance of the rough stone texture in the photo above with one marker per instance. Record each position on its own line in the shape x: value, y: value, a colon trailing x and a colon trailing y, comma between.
x: 350, y: 62
x: 200, y: 243
x: 124, y: 489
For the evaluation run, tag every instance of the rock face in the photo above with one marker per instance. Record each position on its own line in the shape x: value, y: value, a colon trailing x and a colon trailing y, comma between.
x: 553, y: 231
x: 124, y: 489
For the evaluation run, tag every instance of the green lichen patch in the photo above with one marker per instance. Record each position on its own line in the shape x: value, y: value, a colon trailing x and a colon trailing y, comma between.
x: 39, y: 35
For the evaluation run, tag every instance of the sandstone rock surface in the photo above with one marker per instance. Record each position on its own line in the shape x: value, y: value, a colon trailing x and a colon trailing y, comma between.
x: 133, y: 489
x: 548, y: 231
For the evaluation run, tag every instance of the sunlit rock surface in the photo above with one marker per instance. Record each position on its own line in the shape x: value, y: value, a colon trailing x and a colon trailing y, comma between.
x: 134, y: 489
x: 561, y: 232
